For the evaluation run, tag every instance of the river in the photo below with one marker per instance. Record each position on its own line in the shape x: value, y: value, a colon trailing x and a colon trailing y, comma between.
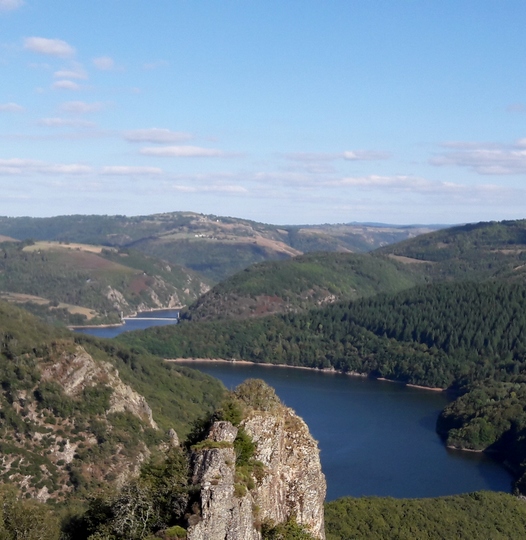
x: 376, y: 438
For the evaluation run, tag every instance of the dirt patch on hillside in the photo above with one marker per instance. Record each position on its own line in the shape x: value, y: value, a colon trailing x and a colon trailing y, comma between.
x: 7, y: 239
x: 19, y: 298
x: 409, y: 260
x: 39, y: 246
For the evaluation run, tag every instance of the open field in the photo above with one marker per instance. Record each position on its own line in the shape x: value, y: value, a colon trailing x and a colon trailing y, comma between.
x: 46, y: 245
x: 19, y: 298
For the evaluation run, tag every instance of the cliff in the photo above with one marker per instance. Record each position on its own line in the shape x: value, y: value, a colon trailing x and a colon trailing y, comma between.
x: 282, y: 480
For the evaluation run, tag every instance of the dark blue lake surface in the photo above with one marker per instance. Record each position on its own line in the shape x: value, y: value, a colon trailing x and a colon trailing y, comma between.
x: 376, y: 438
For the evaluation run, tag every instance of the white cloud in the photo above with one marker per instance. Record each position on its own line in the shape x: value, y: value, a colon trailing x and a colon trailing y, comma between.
x: 420, y: 186
x: 9, y: 5
x: 120, y: 170
x: 486, y: 159
x: 181, y: 151
x: 350, y: 155
x: 75, y: 72
x: 65, y: 122
x: 393, y: 182
x: 81, y: 107
x: 16, y: 166
x: 311, y: 156
x: 66, y: 85
x: 104, y: 63
x: 365, y: 155
x: 232, y: 189
x: 11, y: 107
x: 53, y: 47
x: 156, y: 135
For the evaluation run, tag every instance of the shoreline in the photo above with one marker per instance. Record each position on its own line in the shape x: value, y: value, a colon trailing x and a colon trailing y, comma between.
x: 124, y: 319
x: 321, y: 370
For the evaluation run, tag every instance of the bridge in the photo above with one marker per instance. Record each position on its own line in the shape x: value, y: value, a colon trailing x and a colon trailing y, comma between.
x: 150, y: 318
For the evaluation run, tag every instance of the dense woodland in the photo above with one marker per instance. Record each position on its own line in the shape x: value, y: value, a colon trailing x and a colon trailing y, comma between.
x: 298, y: 284
x: 474, y: 516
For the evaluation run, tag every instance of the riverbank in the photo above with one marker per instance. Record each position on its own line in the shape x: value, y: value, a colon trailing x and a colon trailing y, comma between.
x: 124, y: 319
x: 323, y: 370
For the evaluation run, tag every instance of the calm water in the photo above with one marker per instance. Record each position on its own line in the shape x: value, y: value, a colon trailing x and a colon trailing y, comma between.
x: 132, y: 324
x: 376, y: 438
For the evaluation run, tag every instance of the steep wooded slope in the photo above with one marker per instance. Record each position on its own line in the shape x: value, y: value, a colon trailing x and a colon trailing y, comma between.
x: 472, y: 252
x: 76, y: 412
x: 80, y: 283
x: 301, y: 283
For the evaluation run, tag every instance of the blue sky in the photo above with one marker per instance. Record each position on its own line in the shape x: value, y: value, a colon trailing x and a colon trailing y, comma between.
x: 284, y: 112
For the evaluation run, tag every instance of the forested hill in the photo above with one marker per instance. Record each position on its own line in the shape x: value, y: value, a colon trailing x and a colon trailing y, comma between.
x: 214, y: 246
x: 439, y: 335
x: 297, y: 284
x: 484, y: 251
x: 81, y: 283
x: 475, y: 252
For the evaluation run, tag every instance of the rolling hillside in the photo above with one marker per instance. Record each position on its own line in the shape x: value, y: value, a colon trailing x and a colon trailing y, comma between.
x: 80, y: 283
x: 479, y: 252
x: 214, y: 246
x: 301, y: 283
x: 476, y: 252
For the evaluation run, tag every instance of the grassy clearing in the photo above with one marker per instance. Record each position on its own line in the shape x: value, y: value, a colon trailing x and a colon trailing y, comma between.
x: 38, y: 246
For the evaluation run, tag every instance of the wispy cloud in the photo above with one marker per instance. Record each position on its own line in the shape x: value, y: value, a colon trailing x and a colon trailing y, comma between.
x: 229, y: 189
x: 52, y: 47
x: 365, y: 155
x: 424, y: 187
x: 486, y: 159
x: 349, y: 155
x: 66, y: 85
x: 104, y: 63
x: 81, y: 107
x: 65, y: 122
x: 123, y: 170
x: 10, y: 5
x: 75, y: 72
x: 16, y: 166
x: 181, y: 151
x: 156, y: 135
x: 11, y: 107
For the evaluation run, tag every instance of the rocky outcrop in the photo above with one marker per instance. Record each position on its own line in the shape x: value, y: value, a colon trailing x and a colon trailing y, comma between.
x: 294, y: 484
x: 75, y: 371
x: 224, y: 516
x: 289, y: 485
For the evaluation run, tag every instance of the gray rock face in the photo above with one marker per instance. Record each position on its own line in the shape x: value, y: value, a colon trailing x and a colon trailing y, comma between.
x: 223, y: 515
x: 293, y: 484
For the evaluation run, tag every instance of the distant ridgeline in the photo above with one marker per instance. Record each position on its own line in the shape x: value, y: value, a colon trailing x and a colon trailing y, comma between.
x: 463, y: 334
x: 213, y: 246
